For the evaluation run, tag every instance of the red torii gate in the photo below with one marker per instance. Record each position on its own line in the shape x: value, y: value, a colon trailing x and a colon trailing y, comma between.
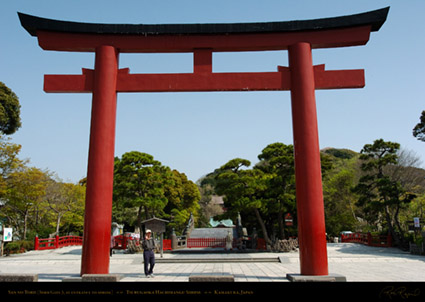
x: 107, y: 41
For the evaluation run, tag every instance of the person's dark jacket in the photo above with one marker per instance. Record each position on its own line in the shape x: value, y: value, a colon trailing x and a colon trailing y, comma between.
x: 148, y: 244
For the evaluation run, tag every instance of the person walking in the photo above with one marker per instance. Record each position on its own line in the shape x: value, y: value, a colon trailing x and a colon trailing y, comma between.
x: 148, y: 246
x: 111, y: 247
x: 229, y: 241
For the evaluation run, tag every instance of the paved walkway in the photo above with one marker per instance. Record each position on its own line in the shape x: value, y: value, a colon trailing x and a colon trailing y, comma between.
x: 354, y: 261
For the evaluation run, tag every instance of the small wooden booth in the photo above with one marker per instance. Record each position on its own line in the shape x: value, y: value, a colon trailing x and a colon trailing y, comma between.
x: 156, y: 225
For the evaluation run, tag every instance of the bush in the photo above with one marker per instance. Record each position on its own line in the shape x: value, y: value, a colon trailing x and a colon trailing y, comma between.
x: 419, y: 240
x: 20, y: 246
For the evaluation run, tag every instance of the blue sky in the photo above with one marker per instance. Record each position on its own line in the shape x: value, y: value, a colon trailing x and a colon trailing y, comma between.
x: 198, y: 132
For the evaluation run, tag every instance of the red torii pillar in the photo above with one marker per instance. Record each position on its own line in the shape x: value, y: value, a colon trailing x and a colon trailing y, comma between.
x: 100, y: 171
x: 301, y: 78
x: 308, y: 173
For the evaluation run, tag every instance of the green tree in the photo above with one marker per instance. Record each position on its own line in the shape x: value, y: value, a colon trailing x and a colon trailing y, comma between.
x: 32, y: 201
x: 140, y: 182
x: 25, y: 192
x: 183, y: 199
x: 340, y: 209
x: 9, y: 162
x: 277, y: 164
x: 208, y: 207
x: 416, y: 209
x: 419, y: 129
x: 379, y: 195
x: 242, y: 190
x: 277, y: 161
x: 10, y: 109
x: 65, y: 203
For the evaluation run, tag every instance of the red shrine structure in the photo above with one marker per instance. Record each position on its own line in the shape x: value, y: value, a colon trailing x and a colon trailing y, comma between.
x: 107, y: 41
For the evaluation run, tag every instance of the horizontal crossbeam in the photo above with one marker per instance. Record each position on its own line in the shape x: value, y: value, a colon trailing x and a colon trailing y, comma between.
x: 205, y: 81
x: 139, y: 38
x: 340, y: 37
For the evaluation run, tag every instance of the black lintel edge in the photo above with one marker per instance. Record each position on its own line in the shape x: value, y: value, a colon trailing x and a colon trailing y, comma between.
x: 374, y: 18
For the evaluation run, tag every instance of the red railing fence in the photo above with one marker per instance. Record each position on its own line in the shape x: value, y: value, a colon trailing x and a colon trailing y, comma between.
x: 261, y: 244
x: 56, y: 242
x: 121, y: 242
x: 206, y: 242
x: 210, y: 243
x: 166, y: 245
x: 368, y: 239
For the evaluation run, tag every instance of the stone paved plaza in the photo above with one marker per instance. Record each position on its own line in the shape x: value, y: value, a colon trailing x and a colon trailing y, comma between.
x: 373, y: 274
x: 354, y: 261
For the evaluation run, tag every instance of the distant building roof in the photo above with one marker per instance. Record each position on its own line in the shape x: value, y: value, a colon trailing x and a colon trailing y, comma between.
x: 155, y: 219
x: 228, y: 223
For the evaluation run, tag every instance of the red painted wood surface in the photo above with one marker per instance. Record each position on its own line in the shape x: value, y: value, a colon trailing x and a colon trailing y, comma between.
x: 308, y: 175
x: 301, y: 78
x: 100, y: 172
x: 340, y: 37
x: 368, y: 239
x: 56, y: 242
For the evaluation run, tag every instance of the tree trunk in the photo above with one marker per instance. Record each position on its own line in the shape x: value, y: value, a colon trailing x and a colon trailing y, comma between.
x: 397, y: 223
x: 281, y: 225
x: 25, y: 224
x: 147, y: 214
x: 391, y: 228
x: 262, y: 225
x: 58, y: 221
x: 139, y: 220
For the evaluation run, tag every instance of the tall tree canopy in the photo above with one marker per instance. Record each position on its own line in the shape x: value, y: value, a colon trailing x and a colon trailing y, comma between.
x: 340, y: 202
x: 26, y: 190
x: 33, y: 201
x: 10, y: 110
x: 242, y: 189
x: 183, y: 199
x: 277, y: 162
x: 139, y: 182
x: 144, y: 188
x: 65, y: 204
x: 419, y: 129
x: 379, y: 194
x: 266, y: 191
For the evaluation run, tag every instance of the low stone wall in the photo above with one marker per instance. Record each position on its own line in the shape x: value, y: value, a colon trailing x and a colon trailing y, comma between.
x: 18, y: 277
x: 285, y: 245
x: 212, y: 278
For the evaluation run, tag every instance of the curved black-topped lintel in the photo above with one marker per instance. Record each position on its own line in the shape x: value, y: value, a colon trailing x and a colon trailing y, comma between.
x: 374, y: 18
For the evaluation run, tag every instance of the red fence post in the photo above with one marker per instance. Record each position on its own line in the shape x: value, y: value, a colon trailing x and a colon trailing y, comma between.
x: 167, y: 245
x: 369, y: 239
x: 56, y: 241
x: 36, y: 243
x: 389, y: 240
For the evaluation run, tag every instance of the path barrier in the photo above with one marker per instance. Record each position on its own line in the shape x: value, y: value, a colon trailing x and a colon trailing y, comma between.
x: 206, y: 242
x: 261, y: 244
x: 56, y: 242
x: 210, y: 243
x: 368, y: 239
x: 121, y: 242
x: 166, y: 245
